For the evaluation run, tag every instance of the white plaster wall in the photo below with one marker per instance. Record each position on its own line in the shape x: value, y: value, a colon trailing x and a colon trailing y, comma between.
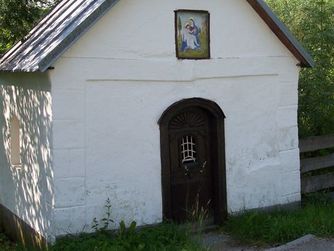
x: 111, y: 87
x: 27, y: 190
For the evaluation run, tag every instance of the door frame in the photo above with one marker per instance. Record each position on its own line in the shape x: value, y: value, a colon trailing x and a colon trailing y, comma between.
x: 219, y: 172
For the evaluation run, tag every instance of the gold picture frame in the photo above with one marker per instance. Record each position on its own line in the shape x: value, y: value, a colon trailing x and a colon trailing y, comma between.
x: 192, y: 34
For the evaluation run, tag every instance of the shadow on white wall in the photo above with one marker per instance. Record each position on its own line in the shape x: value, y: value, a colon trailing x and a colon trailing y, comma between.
x: 27, y: 189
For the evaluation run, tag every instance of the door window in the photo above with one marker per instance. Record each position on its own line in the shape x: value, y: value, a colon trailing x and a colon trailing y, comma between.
x: 188, y: 150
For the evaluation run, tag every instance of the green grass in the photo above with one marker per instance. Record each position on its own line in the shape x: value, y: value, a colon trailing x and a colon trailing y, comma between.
x: 260, y: 228
x: 283, y: 226
x: 164, y: 237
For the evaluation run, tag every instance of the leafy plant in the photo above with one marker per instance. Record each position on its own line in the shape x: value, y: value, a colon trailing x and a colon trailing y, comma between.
x: 124, y: 231
x: 128, y: 238
x: 105, y: 222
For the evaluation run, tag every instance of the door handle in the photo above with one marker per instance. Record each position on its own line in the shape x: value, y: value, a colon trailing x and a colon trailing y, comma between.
x: 203, y: 167
x: 193, y: 166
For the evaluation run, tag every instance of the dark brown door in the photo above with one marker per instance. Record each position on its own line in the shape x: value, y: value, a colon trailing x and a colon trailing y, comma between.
x: 191, y: 165
x: 193, y: 161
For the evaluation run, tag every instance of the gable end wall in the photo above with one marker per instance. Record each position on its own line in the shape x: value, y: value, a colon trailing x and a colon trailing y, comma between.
x: 111, y: 87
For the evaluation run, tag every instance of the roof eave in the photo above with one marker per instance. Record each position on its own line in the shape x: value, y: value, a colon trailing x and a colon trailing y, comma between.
x: 6, y: 70
x: 47, y: 61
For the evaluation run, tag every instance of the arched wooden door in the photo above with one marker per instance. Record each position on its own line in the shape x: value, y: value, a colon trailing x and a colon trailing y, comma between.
x: 193, y: 160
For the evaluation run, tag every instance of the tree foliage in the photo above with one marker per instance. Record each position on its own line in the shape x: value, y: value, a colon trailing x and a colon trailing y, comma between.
x: 312, y: 21
x: 17, y: 17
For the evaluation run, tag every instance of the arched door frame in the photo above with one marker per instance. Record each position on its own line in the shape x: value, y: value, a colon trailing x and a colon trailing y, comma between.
x: 220, y: 170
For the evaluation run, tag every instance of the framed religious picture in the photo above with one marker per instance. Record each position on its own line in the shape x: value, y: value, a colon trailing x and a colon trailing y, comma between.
x: 192, y: 34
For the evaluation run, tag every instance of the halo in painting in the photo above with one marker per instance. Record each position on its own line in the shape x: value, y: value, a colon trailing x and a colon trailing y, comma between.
x: 192, y: 34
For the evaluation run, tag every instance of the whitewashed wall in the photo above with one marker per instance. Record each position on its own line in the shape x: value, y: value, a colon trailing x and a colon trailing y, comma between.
x: 27, y: 189
x: 111, y: 87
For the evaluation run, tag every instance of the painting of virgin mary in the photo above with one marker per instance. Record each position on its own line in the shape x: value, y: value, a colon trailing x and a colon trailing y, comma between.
x: 192, y: 34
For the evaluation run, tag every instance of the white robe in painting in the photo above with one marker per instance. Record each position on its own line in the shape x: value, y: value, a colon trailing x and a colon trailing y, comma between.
x: 190, y: 38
